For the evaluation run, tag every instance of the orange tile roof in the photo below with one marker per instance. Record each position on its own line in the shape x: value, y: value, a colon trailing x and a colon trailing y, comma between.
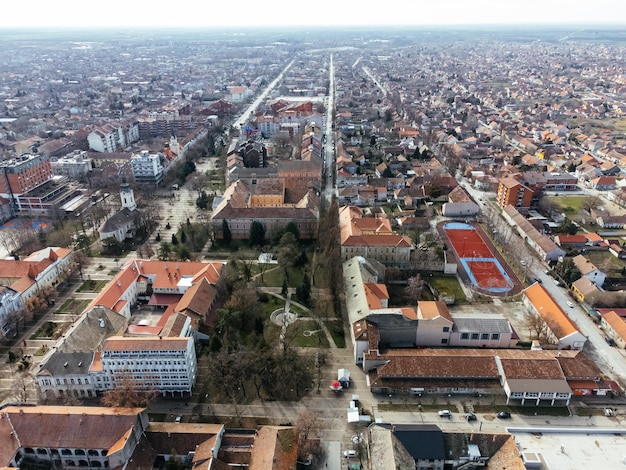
x: 409, y: 313
x: 375, y: 294
x: 617, y: 323
x: 432, y: 309
x: 121, y: 442
x: 96, y: 364
x: 550, y: 311
x: 155, y: 343
x: 158, y: 271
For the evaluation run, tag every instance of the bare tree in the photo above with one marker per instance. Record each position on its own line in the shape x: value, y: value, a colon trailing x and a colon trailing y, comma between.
x: 591, y: 202
x: 127, y: 393
x: 538, y: 329
x: 414, y: 288
x: 20, y: 388
x: 308, y: 425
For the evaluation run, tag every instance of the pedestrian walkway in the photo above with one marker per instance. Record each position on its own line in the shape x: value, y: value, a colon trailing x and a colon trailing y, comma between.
x: 276, y: 292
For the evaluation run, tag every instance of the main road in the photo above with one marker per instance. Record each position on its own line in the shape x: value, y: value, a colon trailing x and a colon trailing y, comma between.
x: 241, y: 120
x: 328, y: 149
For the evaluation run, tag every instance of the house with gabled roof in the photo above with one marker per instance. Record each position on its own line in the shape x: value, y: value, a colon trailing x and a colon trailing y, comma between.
x: 585, y: 290
x: 542, y: 244
x: 589, y: 270
x: 564, y: 331
x: 614, y: 324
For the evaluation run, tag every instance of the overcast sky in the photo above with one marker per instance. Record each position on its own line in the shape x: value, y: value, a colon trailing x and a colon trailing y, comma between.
x: 246, y: 13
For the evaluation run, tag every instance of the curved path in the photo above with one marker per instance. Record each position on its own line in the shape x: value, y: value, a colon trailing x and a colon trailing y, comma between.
x: 275, y: 292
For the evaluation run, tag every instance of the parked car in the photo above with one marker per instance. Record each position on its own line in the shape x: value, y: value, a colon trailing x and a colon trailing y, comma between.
x: 504, y: 415
x: 349, y: 454
x: 569, y: 304
x: 609, y: 341
x: 470, y: 416
x: 556, y: 283
x: 445, y: 413
x: 178, y: 419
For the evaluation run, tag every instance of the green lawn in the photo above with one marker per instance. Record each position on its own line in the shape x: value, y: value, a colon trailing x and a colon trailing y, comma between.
x: 306, y: 334
x: 336, y: 331
x: 92, y: 286
x: 447, y: 284
x: 584, y: 411
x: 606, y: 262
x: 570, y: 205
x: 275, y: 277
x: 72, y: 307
x: 50, y: 330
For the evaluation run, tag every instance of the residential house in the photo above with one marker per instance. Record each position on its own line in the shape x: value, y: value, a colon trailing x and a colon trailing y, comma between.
x: 585, y: 290
x: 460, y: 204
x: 589, y: 270
x: 545, y: 248
x: 614, y: 324
x: 603, y: 183
x: 405, y: 446
x: 563, y: 330
x: 571, y: 242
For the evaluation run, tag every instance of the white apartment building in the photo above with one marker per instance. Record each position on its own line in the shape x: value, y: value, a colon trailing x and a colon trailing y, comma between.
x: 74, y: 166
x: 113, y: 136
x: 147, y: 167
x: 164, y: 364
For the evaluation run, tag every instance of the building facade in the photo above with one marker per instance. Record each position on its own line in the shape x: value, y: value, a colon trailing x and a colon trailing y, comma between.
x: 147, y: 168
x: 167, y: 365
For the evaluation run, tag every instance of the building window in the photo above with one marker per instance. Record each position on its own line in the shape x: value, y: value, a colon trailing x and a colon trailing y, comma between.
x: 446, y: 329
x: 474, y: 335
x: 495, y: 336
x: 444, y: 340
x: 484, y: 336
x: 464, y: 335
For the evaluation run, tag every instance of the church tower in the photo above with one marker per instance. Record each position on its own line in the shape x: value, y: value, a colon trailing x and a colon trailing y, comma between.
x: 127, y: 196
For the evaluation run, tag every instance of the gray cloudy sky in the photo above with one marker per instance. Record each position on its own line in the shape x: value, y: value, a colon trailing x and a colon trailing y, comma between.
x: 246, y: 13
